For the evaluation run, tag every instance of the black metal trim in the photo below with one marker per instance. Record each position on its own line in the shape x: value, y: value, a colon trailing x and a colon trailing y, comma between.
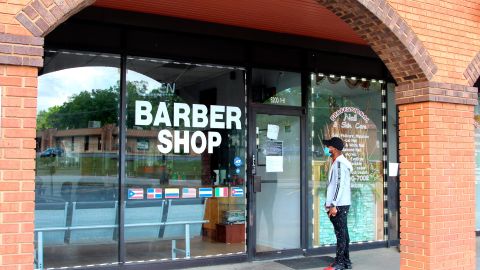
x: 397, y: 130
x: 393, y: 199
x: 477, y: 233
x: 306, y: 80
x: 393, y: 243
x: 122, y: 157
x: 274, y: 110
x: 177, y: 264
x: 278, y: 254
x: 245, y: 40
x: 303, y: 164
x: 299, y: 111
x: 251, y: 138
x: 353, y: 247
x: 384, y: 104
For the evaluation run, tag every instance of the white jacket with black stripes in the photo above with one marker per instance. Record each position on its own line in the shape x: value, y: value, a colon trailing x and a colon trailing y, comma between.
x: 338, y: 185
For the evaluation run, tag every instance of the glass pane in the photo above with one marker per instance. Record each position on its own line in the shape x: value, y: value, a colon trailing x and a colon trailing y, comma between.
x: 349, y: 109
x: 76, y: 180
x: 276, y: 87
x: 185, y: 160
x: 278, y: 166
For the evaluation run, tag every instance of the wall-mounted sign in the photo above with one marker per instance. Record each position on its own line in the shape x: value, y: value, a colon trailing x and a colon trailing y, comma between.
x: 194, y: 116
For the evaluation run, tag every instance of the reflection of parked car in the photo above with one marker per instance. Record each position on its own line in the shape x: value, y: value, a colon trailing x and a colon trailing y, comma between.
x: 52, y: 152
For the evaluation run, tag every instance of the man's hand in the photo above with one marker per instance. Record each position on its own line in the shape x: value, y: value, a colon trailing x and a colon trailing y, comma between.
x: 332, y: 211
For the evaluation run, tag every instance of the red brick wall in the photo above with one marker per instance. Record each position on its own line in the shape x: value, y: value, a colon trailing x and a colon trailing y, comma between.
x: 436, y: 137
x: 17, y: 162
x: 437, y: 186
x: 8, y: 24
x: 448, y: 29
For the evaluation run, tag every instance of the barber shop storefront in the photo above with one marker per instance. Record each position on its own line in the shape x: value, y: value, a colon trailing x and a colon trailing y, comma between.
x: 173, y: 148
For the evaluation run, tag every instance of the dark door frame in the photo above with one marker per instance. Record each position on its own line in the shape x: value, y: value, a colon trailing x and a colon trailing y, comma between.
x: 252, y: 110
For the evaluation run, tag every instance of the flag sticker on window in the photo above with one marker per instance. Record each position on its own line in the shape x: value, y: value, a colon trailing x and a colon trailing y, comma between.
x: 135, y: 194
x: 172, y: 193
x: 236, y: 192
x: 154, y: 193
x: 221, y: 192
x: 205, y: 192
x: 189, y: 192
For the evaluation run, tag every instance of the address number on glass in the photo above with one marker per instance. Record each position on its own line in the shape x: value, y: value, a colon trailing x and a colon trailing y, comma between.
x: 278, y: 100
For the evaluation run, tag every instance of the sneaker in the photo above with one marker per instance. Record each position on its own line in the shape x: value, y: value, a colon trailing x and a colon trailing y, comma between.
x: 335, y: 266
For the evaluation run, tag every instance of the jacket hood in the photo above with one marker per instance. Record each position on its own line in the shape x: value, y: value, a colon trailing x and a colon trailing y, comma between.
x: 345, y: 161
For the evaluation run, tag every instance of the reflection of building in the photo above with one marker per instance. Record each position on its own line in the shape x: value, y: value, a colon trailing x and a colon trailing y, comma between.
x: 79, y: 140
x: 103, y: 139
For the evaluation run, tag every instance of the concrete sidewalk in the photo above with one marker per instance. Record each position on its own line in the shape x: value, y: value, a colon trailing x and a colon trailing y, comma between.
x: 372, y: 259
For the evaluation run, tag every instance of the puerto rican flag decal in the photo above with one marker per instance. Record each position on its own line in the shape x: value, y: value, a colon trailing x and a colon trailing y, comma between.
x: 135, y: 193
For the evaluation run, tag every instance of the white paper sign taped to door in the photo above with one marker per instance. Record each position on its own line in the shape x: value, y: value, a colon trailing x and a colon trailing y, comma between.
x: 274, y: 156
x: 272, y: 132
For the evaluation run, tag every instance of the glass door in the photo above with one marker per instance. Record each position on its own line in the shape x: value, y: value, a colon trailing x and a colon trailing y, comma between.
x: 276, y: 163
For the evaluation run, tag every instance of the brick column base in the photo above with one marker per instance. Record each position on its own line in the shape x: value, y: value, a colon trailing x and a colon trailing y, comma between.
x: 437, y: 186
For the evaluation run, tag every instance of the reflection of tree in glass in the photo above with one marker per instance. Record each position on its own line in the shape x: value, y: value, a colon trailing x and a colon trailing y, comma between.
x: 100, y: 105
x: 95, y: 105
x: 137, y: 90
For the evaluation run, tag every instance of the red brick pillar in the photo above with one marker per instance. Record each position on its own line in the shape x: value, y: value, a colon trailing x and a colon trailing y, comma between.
x: 437, y: 182
x: 18, y: 87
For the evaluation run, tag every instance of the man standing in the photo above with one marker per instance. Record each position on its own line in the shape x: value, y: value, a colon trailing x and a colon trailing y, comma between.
x: 338, y: 200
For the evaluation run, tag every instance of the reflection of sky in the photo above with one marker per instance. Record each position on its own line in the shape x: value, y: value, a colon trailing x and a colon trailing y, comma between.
x: 55, y: 88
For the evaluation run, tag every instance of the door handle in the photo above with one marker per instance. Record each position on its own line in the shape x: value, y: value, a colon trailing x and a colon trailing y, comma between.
x: 254, y: 165
x: 257, y: 184
x: 257, y: 180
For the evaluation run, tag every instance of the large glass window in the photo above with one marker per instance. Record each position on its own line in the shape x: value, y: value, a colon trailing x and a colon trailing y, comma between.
x: 184, y: 168
x: 350, y: 109
x: 185, y: 160
x: 76, y: 181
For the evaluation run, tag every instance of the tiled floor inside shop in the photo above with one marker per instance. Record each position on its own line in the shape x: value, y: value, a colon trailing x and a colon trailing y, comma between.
x: 60, y: 256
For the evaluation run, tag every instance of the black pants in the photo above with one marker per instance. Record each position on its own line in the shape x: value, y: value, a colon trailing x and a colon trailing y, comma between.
x: 339, y: 222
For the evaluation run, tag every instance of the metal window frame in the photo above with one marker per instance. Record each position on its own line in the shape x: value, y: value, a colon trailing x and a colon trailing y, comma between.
x: 252, y: 110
